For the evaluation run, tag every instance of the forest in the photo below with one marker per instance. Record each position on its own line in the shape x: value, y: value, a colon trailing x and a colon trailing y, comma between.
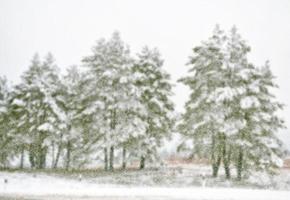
x: 116, y: 110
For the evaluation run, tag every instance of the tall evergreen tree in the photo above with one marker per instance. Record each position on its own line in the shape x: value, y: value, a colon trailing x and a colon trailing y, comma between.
x: 6, y: 140
x: 254, y: 109
x: 223, y: 113
x: 112, y: 96
x: 203, y: 115
x: 81, y: 135
x: 258, y: 147
x: 155, y: 87
x: 35, y: 111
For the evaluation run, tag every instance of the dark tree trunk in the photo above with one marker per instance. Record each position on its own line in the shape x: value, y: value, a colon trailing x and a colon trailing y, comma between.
x: 240, y: 165
x: 106, y: 167
x: 112, y: 158
x: 142, y: 162
x: 215, y: 166
x: 53, y: 154
x: 227, y: 168
x: 42, y: 158
x: 32, y: 156
x: 31, y: 160
x: 226, y: 158
x: 68, y: 154
x: 57, y: 156
x: 124, y: 162
x: 22, y: 158
x: 215, y: 158
x: 240, y: 161
x: 113, y: 125
x: 38, y: 156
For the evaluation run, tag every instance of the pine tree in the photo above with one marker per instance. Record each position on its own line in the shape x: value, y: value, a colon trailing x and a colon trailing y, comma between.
x: 235, y: 63
x: 81, y: 134
x: 6, y: 140
x: 109, y: 82
x: 251, y: 86
x: 258, y: 146
x: 227, y: 108
x: 204, y: 111
x: 35, y: 110
x: 154, y: 84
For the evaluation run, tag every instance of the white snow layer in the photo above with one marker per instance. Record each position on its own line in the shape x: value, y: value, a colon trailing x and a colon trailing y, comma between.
x: 250, y: 102
x: 18, y: 102
x: 45, y: 127
x: 21, y: 184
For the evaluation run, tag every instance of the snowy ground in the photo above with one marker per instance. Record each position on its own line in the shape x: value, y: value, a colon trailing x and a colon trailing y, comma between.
x: 177, y: 183
x: 156, y: 193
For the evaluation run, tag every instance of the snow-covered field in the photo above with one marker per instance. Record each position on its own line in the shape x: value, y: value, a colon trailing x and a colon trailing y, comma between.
x: 176, y: 183
x: 85, y: 191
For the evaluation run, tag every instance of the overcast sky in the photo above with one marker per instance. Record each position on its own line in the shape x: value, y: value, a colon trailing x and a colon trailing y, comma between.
x: 69, y: 28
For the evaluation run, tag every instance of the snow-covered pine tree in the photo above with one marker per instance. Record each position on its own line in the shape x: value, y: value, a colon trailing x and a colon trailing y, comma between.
x: 204, y: 115
x: 258, y: 145
x: 112, y: 96
x: 70, y: 105
x: 251, y: 102
x: 81, y: 135
x: 238, y: 76
x: 155, y: 87
x: 7, y: 149
x: 35, y: 111
x: 131, y: 124
x: 235, y: 61
x: 231, y: 112
x: 20, y: 116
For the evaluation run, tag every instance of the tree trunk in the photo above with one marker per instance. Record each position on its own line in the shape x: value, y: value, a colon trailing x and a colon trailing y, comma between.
x: 240, y: 165
x: 215, y: 159
x: 227, y: 168
x: 142, y: 162
x: 226, y: 158
x: 22, y: 158
x: 112, y: 158
x: 68, y: 152
x: 216, y: 166
x: 31, y: 159
x: 124, y: 163
x: 57, y: 156
x: 106, y: 167
x: 42, y: 160
x: 38, y: 156
x: 32, y: 156
x: 113, y: 125
x: 53, y: 154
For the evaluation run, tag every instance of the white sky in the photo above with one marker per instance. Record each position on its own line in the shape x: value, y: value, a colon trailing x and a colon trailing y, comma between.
x: 69, y: 28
